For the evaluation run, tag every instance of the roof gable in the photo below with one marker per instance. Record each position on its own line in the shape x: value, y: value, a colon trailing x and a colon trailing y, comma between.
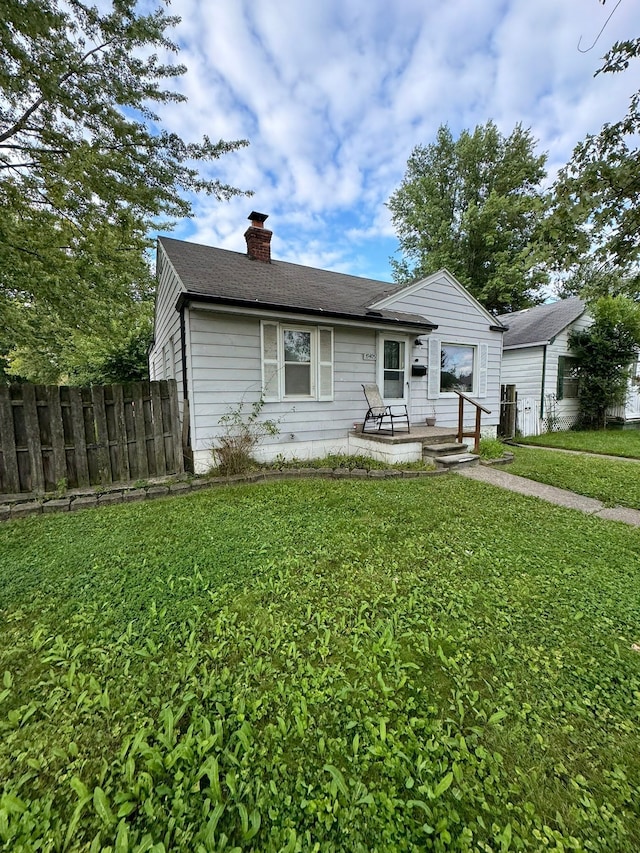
x: 540, y: 324
x: 219, y: 275
x: 441, y: 275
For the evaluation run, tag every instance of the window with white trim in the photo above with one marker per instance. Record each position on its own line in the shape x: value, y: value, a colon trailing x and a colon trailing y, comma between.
x: 297, y: 362
x: 457, y: 367
x: 457, y: 363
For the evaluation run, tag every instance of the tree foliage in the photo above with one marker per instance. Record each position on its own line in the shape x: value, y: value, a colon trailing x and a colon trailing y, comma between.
x: 118, y: 354
x: 85, y: 168
x: 591, y: 280
x: 604, y: 353
x: 597, y: 195
x: 474, y: 205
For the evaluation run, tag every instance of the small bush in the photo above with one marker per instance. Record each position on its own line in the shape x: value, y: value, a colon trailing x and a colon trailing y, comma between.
x: 491, y: 448
x: 233, y: 451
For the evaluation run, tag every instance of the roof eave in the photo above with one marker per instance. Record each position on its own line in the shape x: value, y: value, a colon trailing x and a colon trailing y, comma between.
x: 186, y: 298
x: 527, y: 344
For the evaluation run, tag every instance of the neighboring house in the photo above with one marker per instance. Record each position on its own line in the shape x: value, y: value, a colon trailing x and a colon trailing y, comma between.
x: 537, y: 360
x: 234, y: 328
x: 629, y: 414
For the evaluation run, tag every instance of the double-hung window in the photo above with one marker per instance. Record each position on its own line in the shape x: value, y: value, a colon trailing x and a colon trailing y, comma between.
x: 297, y: 362
x: 567, y: 385
x: 298, y: 376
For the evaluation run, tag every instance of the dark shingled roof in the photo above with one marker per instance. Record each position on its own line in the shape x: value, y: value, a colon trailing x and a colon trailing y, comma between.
x: 540, y: 324
x: 218, y: 275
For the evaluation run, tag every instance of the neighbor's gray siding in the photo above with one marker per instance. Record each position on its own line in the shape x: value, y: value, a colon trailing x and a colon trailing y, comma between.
x: 459, y: 321
x: 165, y: 356
x: 560, y: 346
x: 226, y: 370
x: 523, y: 368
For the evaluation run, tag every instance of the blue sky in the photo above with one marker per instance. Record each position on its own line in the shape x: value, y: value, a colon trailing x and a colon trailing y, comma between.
x: 334, y: 95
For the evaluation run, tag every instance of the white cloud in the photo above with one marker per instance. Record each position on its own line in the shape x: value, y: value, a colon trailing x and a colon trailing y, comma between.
x: 333, y: 97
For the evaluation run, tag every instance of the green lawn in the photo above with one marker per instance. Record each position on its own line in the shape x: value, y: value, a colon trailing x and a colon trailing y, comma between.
x: 611, y: 442
x: 427, y: 664
x: 616, y: 482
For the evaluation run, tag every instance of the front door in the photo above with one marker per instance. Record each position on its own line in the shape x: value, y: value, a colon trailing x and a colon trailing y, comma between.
x: 393, y: 372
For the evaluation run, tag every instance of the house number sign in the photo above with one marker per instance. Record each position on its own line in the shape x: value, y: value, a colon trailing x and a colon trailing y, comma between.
x: 368, y: 356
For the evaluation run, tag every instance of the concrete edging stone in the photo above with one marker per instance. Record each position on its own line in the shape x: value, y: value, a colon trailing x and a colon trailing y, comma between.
x: 79, y: 499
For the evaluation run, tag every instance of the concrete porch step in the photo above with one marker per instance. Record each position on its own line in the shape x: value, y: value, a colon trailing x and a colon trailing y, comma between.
x: 457, y: 460
x: 443, y: 449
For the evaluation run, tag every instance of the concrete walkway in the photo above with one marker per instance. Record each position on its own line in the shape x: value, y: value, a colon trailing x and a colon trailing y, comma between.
x: 498, y: 477
x: 608, y: 456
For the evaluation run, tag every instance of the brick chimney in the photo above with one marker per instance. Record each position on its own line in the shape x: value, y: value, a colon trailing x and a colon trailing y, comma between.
x: 258, y: 238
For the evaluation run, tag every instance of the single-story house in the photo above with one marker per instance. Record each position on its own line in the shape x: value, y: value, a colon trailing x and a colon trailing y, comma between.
x: 537, y: 360
x: 236, y: 328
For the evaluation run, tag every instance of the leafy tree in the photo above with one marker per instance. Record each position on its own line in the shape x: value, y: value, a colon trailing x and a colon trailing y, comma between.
x: 124, y: 361
x: 591, y: 280
x: 474, y: 205
x: 603, y: 354
x: 86, y: 171
x: 73, y: 357
x: 597, y: 195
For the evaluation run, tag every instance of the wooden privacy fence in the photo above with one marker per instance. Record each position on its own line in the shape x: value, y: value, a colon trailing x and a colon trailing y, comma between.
x: 53, y: 436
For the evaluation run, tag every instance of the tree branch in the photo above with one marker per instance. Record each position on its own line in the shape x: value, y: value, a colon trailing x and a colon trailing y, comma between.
x: 17, y: 126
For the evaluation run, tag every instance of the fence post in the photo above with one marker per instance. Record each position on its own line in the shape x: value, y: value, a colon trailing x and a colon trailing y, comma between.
x: 178, y: 459
x: 102, y: 434
x: 79, y: 437
x: 124, y: 472
x: 158, y: 429
x: 59, y: 468
x: 141, y: 437
x: 32, y: 426
x: 8, y: 442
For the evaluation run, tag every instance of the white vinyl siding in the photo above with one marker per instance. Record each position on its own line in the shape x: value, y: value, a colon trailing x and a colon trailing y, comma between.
x: 483, y: 368
x: 566, y: 407
x: 165, y: 356
x: 523, y: 368
x: 227, y: 369
x: 460, y: 321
